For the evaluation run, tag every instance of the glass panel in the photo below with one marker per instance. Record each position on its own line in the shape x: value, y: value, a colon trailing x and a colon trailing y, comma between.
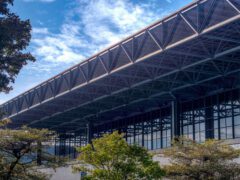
x: 223, y: 133
x: 202, y: 136
x: 237, y: 131
x: 185, y: 130
x: 164, y: 142
x: 229, y: 133
x: 229, y: 121
x: 197, y: 137
x: 154, y: 144
x: 222, y: 123
x: 190, y: 129
x: 202, y: 127
x: 216, y: 133
x: 237, y: 120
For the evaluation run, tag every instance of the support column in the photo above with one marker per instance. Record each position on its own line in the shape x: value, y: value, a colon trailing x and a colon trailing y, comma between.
x: 209, y: 124
x: 55, y: 146
x: 151, y: 133
x: 142, y: 123
x: 74, y: 149
x: 39, y: 153
x: 62, y: 145
x: 175, y: 119
x: 134, y: 131
x: 89, y: 131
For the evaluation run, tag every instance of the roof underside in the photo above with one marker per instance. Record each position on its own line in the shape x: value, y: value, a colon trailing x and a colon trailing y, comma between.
x: 192, y: 53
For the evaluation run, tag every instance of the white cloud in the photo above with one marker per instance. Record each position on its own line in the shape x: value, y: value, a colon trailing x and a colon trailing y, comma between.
x: 90, y: 26
x: 57, y: 48
x: 107, y: 21
x: 48, y: 1
x: 40, y: 31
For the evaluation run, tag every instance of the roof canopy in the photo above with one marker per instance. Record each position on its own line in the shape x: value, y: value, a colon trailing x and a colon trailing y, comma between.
x: 191, y: 53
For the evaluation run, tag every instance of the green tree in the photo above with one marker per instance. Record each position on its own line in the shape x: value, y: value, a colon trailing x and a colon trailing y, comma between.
x: 24, y: 151
x: 111, y: 158
x: 15, y: 35
x: 209, y: 160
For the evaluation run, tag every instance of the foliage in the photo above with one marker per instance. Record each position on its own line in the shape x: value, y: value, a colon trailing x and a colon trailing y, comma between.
x: 22, y: 150
x: 209, y: 160
x: 110, y: 157
x: 14, y: 38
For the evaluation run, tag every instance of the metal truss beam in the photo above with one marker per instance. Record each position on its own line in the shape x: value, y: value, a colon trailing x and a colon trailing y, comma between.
x: 178, y: 30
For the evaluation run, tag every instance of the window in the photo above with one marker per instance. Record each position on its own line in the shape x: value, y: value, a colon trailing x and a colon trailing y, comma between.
x: 224, y: 116
x: 236, y: 111
x: 147, y: 135
x: 130, y: 134
x: 138, y: 134
x: 199, y: 122
x: 166, y: 132
x: 187, y: 124
x: 193, y: 124
x: 225, y: 121
x: 157, y: 134
x: 216, y: 122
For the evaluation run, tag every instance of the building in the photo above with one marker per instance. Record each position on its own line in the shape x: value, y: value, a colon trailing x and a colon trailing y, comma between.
x: 178, y: 76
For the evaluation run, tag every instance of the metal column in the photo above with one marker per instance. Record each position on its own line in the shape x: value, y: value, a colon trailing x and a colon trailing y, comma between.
x: 209, y: 122
x: 89, y: 131
x: 175, y: 126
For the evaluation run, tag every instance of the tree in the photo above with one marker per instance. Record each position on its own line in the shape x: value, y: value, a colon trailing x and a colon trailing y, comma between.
x: 15, y: 35
x: 209, y: 160
x: 110, y: 157
x: 23, y: 151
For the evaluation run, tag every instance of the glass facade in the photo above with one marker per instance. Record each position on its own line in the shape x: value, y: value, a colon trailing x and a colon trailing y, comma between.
x: 193, y: 125
x: 227, y: 120
x: 152, y: 134
x: 216, y: 116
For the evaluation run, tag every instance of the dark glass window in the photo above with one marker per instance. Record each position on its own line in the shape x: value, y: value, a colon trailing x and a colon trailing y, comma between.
x: 147, y: 135
x: 199, y: 122
x: 225, y: 120
x: 157, y: 133
x: 187, y: 123
x: 236, y: 111
x: 130, y: 134
x: 166, y: 132
x: 138, y: 134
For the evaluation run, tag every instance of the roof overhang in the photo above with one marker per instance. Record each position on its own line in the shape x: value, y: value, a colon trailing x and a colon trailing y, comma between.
x: 191, y: 53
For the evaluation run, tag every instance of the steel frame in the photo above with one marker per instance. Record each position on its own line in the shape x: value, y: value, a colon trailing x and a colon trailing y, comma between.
x: 192, y: 49
x: 216, y: 116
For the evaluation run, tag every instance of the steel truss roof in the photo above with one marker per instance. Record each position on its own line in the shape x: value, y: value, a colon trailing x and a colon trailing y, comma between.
x: 191, y: 52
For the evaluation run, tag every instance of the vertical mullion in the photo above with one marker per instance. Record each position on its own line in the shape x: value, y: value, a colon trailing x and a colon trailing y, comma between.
x: 151, y: 134
x: 218, y: 118
x: 233, y: 123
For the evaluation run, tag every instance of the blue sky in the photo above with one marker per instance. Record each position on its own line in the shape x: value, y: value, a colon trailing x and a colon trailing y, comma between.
x: 65, y: 32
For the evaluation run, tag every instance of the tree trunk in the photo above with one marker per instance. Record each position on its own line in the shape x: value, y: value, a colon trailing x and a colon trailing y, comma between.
x: 12, y: 166
x: 39, y: 153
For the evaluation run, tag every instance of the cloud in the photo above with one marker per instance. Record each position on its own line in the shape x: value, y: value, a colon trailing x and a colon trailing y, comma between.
x: 62, y: 48
x: 47, y: 1
x: 58, y: 49
x: 107, y: 21
x: 40, y: 31
x: 90, y: 26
